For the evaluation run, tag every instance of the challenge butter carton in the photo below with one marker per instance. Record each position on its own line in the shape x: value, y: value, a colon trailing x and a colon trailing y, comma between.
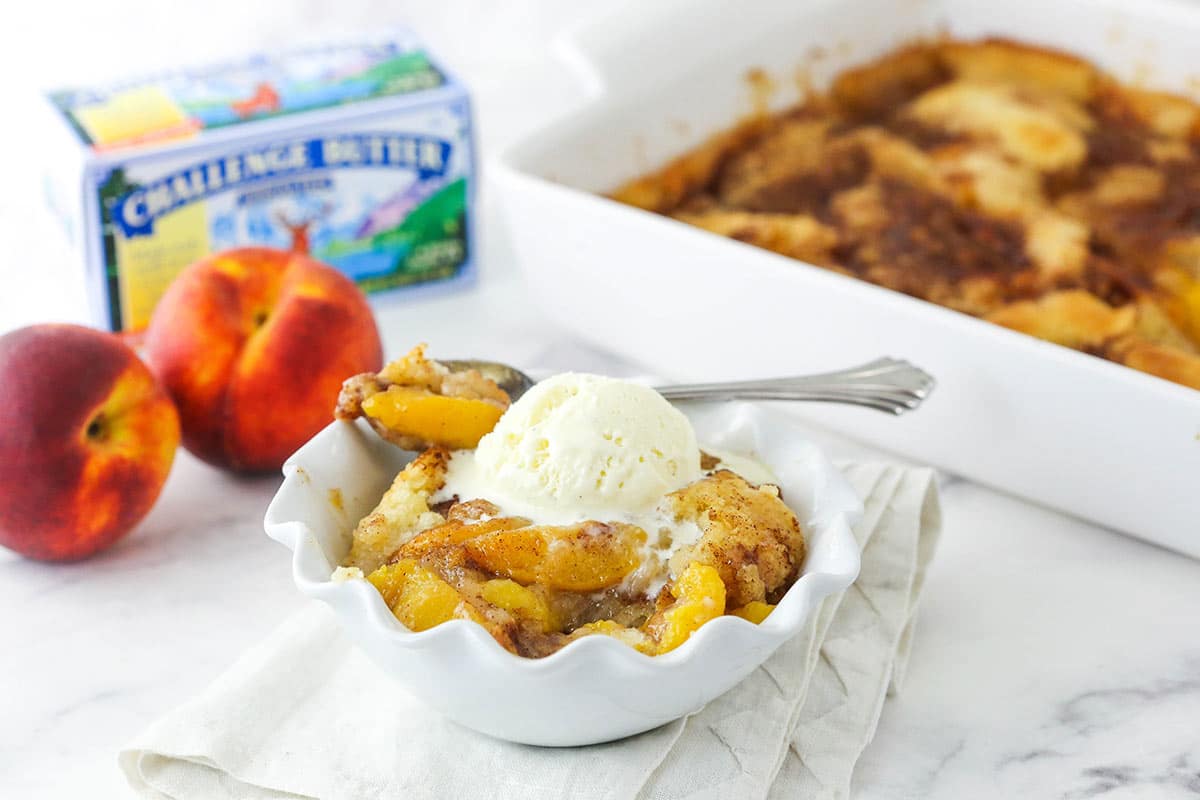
x: 359, y: 155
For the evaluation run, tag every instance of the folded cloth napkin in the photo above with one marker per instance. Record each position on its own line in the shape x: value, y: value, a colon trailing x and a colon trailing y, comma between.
x: 305, y: 714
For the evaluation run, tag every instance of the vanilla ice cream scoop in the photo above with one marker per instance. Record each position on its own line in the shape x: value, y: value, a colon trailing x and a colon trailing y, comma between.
x: 577, y: 441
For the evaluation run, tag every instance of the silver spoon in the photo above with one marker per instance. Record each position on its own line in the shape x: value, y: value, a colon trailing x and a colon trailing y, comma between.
x: 886, y: 384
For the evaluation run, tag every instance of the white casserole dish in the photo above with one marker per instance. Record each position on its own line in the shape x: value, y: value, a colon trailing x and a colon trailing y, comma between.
x: 595, y: 689
x: 1077, y: 433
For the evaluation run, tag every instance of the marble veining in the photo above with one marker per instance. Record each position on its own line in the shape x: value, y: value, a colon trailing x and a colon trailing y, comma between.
x: 1180, y: 774
x: 1097, y: 720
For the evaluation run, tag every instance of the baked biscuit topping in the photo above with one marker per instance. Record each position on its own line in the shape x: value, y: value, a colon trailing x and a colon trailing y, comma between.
x: 536, y: 587
x: 1019, y: 185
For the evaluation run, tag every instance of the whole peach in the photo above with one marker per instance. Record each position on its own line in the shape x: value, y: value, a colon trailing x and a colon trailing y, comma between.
x: 87, y: 437
x: 253, y: 344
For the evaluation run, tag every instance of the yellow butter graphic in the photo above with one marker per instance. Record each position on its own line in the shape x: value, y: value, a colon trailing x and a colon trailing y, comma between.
x: 149, y: 263
x: 132, y: 115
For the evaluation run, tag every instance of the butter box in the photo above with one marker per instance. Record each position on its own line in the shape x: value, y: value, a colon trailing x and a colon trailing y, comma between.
x: 357, y: 154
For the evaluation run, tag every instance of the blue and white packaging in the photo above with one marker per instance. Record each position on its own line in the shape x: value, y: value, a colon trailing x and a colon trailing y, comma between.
x: 359, y: 155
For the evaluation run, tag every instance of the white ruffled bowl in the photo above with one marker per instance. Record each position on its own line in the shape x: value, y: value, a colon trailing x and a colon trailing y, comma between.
x: 594, y: 689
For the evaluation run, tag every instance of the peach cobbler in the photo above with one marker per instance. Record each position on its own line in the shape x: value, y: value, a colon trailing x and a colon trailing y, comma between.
x: 1019, y: 185
x: 589, y: 509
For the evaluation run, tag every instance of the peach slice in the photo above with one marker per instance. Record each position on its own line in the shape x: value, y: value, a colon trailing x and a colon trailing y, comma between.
x: 456, y: 422
x: 755, y: 611
x: 699, y: 597
x: 452, y: 533
x: 576, y: 558
x: 418, y: 597
x: 520, y: 601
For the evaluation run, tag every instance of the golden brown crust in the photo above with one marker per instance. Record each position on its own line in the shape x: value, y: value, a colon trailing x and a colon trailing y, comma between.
x: 1010, y: 182
x: 403, y: 512
x: 680, y: 179
x: 871, y: 91
x: 581, y: 576
x: 793, y: 235
x: 414, y: 370
x: 1072, y: 318
x: 355, y: 390
x: 748, y: 534
x: 1165, y: 362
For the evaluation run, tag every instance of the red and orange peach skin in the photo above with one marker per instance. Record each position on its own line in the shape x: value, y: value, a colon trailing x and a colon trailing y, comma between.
x: 253, y: 344
x: 87, y: 437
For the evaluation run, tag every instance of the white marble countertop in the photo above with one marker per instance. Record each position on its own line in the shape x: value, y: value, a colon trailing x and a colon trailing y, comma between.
x: 1052, y: 658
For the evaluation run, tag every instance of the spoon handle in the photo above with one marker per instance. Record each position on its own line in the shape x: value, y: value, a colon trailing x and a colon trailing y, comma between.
x: 887, y: 384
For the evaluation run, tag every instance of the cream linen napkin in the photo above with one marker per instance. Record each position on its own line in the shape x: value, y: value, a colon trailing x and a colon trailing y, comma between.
x: 305, y: 714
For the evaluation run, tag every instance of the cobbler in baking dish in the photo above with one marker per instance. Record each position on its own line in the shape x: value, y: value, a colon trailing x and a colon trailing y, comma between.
x: 1019, y: 185
x: 588, y: 510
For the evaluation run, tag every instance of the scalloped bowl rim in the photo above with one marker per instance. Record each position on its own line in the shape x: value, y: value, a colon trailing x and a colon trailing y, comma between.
x: 841, y: 508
